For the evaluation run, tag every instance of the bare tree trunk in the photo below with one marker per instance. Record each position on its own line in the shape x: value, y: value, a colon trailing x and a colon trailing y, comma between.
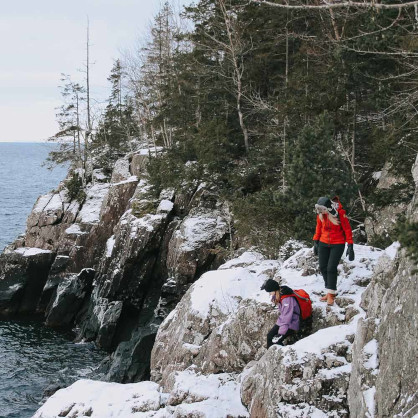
x: 89, y: 128
x: 353, y: 137
x: 285, y: 121
x: 238, y: 70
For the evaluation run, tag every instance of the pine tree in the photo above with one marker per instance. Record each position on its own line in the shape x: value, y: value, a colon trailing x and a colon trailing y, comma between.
x: 118, y: 126
x: 316, y: 169
x: 70, y: 136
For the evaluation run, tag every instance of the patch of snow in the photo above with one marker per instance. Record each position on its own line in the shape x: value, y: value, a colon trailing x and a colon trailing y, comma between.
x: 370, y: 350
x: 110, y: 243
x: 27, y: 252
x: 102, y: 399
x: 131, y: 179
x: 244, y: 260
x: 42, y: 202
x: 331, y: 373
x: 99, y: 175
x: 165, y: 206
x: 392, y: 250
x: 74, y: 229
x: 302, y: 410
x: 208, y: 396
x: 15, y: 287
x: 54, y: 204
x: 204, y: 396
x: 368, y: 396
x: 376, y: 175
x: 90, y: 212
x: 223, y: 289
x: 147, y: 151
x: 147, y: 222
x: 200, y: 229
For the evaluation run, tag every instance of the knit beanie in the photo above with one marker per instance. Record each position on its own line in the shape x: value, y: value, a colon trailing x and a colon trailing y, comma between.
x: 270, y: 285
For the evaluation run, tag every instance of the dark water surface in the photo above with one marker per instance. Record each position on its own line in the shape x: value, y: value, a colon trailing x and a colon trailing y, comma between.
x: 32, y: 357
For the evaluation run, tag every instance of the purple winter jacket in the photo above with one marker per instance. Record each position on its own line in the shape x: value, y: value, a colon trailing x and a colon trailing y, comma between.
x: 289, y: 315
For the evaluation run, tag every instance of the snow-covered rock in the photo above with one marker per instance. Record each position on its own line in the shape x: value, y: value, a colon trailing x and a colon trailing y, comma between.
x: 217, y: 324
x: 192, y: 244
x: 384, y: 381
x: 23, y: 274
x: 221, y: 325
x: 190, y: 395
x: 382, y: 220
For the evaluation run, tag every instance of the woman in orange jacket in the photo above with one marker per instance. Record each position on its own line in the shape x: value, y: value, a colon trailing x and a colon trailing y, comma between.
x: 333, y: 230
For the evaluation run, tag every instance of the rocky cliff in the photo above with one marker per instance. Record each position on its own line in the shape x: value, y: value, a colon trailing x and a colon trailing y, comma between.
x: 145, y: 279
x: 114, y: 265
x: 384, y: 382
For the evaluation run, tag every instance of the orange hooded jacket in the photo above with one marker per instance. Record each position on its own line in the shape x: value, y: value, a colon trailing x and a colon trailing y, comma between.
x: 329, y: 233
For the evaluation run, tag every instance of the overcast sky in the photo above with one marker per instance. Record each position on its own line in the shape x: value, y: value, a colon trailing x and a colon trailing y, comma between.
x: 41, y: 39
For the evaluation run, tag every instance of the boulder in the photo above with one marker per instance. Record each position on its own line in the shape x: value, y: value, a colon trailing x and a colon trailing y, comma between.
x: 23, y: 274
x: 192, y: 247
x: 383, y: 382
x: 382, y: 221
x: 312, y: 373
x: 218, y: 326
x: 190, y: 395
x: 71, y: 293
x: 221, y: 323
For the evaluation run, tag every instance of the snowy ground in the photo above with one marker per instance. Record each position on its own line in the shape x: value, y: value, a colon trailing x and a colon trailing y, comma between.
x: 213, y: 396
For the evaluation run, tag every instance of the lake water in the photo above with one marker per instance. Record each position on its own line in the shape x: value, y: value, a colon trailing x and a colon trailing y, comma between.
x: 32, y: 357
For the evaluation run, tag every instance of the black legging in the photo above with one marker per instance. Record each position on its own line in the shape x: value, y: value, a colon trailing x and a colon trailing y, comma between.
x: 329, y: 257
x: 274, y: 332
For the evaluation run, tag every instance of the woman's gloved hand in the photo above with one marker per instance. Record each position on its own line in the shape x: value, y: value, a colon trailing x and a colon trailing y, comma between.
x: 315, y: 247
x: 350, y: 252
x: 278, y: 339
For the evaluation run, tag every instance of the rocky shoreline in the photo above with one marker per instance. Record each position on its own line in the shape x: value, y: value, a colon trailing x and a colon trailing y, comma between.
x: 147, y: 280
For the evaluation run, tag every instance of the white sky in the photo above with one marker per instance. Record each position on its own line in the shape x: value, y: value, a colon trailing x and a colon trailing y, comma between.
x: 41, y: 39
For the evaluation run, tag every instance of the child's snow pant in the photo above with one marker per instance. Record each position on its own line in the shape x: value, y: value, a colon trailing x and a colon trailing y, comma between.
x: 329, y: 257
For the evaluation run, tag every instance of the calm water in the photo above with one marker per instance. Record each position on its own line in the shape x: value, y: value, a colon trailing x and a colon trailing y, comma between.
x: 32, y: 357
x: 22, y: 180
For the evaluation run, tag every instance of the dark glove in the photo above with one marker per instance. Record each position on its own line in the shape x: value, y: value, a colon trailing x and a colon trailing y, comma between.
x: 315, y: 247
x: 350, y: 252
x: 278, y: 339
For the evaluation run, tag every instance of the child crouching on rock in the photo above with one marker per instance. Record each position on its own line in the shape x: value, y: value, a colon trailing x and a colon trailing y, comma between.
x: 288, y: 322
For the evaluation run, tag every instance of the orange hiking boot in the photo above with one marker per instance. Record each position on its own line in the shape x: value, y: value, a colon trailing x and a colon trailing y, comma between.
x: 324, y: 298
x: 330, y: 299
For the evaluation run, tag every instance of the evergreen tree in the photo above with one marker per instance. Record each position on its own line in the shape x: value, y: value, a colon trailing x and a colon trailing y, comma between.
x: 118, y: 126
x: 316, y: 169
x: 70, y: 136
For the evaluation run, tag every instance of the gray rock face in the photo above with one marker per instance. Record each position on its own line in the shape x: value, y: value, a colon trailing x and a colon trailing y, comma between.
x: 382, y: 222
x: 384, y: 380
x: 192, y: 245
x: 220, y: 338
x: 23, y: 274
x: 318, y: 382
x: 50, y: 217
x: 70, y: 296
